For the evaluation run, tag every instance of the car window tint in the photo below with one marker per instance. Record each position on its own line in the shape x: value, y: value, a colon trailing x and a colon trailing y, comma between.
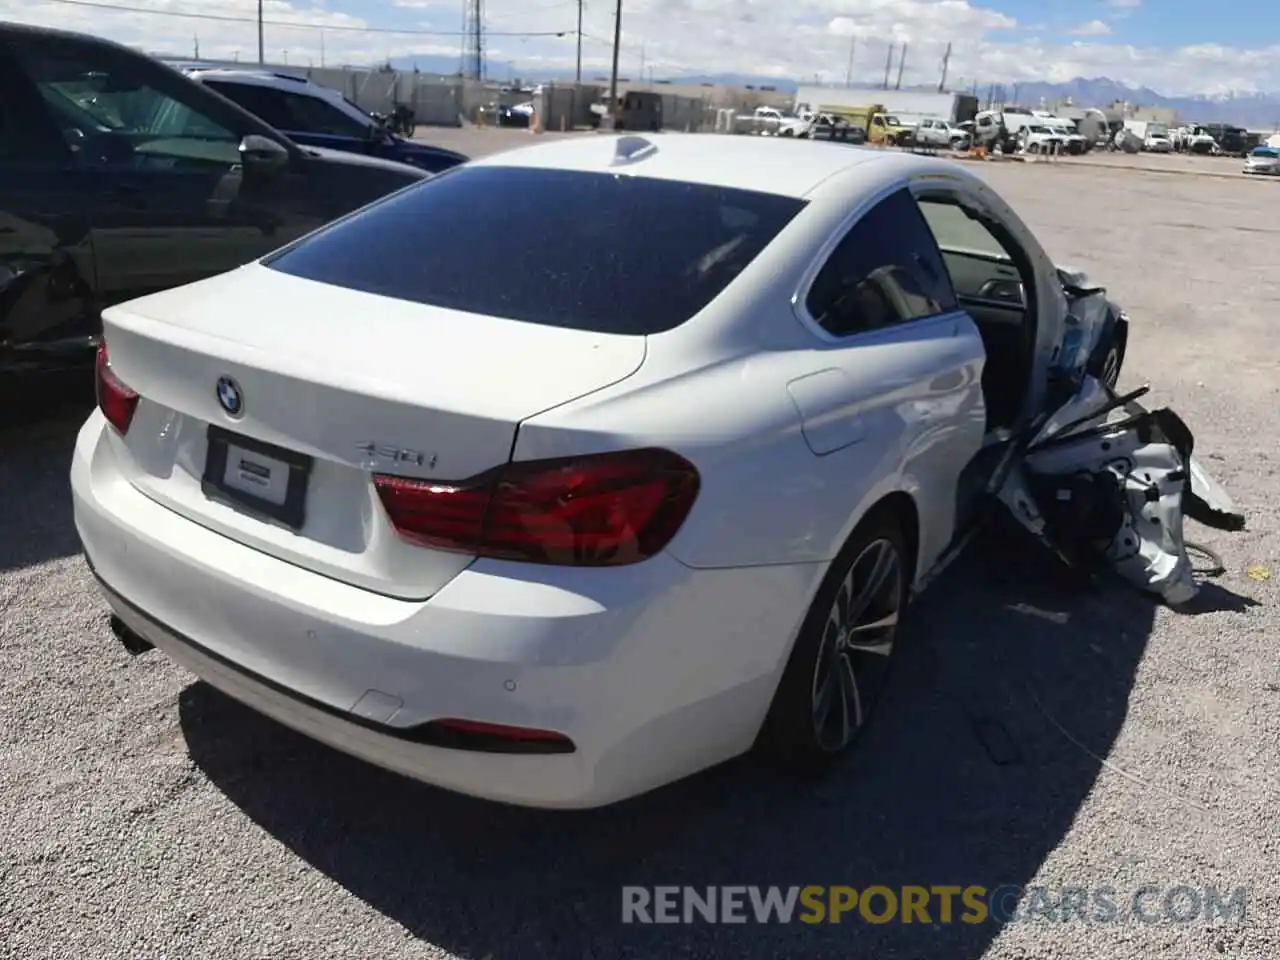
x: 264, y: 103
x: 590, y: 251
x: 887, y: 270
x: 314, y: 115
x: 112, y: 116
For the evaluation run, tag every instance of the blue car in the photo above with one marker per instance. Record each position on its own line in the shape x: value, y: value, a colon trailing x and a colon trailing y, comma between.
x: 317, y: 116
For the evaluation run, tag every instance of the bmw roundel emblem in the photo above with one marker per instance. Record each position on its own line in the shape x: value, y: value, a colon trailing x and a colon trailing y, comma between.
x: 230, y: 396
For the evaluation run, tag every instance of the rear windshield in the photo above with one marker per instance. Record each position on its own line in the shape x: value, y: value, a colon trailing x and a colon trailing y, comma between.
x: 590, y: 251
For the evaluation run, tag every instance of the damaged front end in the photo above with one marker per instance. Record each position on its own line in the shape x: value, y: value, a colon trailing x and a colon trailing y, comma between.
x: 1104, y: 482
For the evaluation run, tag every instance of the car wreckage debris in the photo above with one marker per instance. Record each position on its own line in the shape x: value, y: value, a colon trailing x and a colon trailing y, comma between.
x: 1105, y: 490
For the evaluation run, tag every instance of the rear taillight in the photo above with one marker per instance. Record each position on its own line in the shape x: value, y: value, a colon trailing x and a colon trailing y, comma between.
x: 602, y: 510
x: 116, y: 401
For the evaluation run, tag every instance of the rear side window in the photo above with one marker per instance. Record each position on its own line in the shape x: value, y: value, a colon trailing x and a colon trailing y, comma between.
x: 589, y: 251
x: 264, y: 103
x: 886, y: 271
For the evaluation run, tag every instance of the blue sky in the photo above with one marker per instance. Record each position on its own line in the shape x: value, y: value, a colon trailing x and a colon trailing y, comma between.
x: 1173, y: 46
x: 1160, y: 23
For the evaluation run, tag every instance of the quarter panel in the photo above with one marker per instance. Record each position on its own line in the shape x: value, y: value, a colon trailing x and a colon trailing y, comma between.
x: 765, y: 498
x: 913, y: 408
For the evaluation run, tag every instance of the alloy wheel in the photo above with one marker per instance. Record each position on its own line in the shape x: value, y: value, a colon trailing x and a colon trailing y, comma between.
x: 856, y: 645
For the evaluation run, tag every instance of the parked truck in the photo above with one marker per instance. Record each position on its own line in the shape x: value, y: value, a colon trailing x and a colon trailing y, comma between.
x: 882, y: 127
x: 772, y: 121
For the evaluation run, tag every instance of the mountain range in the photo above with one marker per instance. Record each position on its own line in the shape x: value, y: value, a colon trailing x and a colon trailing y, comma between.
x: 1253, y: 110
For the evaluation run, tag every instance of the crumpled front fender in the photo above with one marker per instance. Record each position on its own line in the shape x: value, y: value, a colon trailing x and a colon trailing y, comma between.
x: 1106, y: 490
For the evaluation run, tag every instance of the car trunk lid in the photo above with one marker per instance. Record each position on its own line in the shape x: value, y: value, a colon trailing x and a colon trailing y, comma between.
x: 345, y: 384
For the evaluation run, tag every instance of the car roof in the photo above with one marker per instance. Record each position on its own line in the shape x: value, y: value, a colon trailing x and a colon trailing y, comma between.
x: 778, y: 165
x: 260, y: 78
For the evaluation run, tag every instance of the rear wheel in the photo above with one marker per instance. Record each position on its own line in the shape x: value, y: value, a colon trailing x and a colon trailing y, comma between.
x: 842, y: 657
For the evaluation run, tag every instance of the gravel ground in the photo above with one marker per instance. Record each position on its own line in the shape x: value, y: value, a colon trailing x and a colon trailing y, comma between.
x: 1038, y: 734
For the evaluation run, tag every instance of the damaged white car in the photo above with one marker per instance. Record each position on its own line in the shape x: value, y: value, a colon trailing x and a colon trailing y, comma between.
x: 658, y: 497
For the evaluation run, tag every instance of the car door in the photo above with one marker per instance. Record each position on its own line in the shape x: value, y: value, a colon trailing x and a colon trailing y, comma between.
x: 177, y: 199
x: 900, y: 364
x: 47, y: 313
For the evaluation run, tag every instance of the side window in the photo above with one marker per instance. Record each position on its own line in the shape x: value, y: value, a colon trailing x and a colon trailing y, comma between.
x: 314, y: 115
x: 113, y: 113
x: 264, y: 103
x: 886, y: 271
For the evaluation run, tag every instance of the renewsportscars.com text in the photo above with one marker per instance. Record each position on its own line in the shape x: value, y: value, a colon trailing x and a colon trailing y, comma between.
x: 933, y: 904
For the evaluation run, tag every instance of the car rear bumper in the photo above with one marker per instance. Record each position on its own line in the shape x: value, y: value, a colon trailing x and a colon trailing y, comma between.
x: 652, y: 671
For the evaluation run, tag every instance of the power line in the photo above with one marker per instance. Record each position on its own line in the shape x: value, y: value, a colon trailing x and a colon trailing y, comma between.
x: 334, y: 28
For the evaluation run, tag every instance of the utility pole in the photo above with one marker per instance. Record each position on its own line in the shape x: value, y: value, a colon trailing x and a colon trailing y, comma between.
x: 578, y: 74
x: 888, y: 65
x: 473, y: 64
x: 946, y: 62
x: 262, y: 56
x: 322, y: 49
x: 902, y: 62
x: 848, y: 74
x: 196, y: 38
x: 617, y: 46
x: 642, y: 63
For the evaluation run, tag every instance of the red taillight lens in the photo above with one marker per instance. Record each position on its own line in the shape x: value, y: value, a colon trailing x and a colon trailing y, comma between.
x: 116, y: 401
x: 603, y: 510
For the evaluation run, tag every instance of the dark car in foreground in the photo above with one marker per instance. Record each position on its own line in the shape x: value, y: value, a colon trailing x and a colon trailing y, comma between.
x: 319, y: 116
x: 120, y: 177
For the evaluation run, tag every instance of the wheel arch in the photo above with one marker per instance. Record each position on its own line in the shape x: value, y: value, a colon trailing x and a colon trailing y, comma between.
x: 898, y: 504
x: 902, y: 506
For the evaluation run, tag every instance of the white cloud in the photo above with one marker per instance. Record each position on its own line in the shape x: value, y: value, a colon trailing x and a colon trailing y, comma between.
x: 1094, y: 28
x: 797, y: 38
x: 331, y: 34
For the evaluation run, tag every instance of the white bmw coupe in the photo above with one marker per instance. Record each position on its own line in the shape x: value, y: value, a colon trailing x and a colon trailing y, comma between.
x: 579, y: 468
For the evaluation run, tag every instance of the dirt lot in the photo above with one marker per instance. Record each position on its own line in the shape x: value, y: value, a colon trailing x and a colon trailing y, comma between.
x: 1037, y: 734
x: 1169, y: 163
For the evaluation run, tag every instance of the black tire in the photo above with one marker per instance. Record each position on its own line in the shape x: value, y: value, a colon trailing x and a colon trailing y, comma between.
x: 798, y: 734
x: 1108, y: 356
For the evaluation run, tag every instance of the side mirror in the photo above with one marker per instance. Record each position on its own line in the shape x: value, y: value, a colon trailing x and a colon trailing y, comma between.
x: 259, y: 151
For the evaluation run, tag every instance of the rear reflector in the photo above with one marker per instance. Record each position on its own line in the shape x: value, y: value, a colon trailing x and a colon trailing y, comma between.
x: 116, y: 401
x: 603, y: 510
x: 492, y: 737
